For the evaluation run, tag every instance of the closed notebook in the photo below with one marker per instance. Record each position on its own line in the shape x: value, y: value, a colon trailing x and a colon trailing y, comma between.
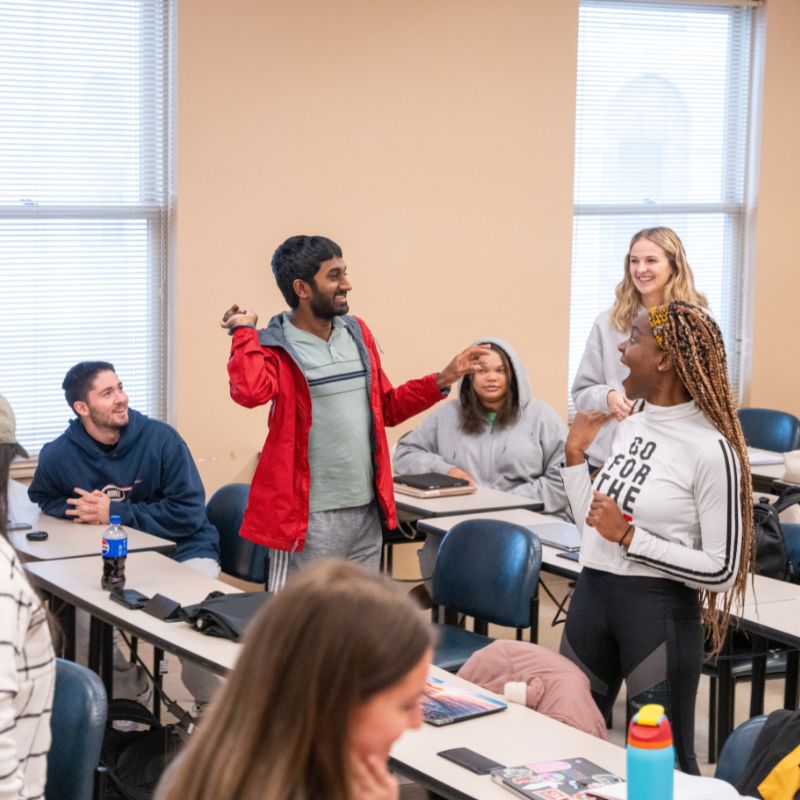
x: 561, y: 535
x: 432, y: 484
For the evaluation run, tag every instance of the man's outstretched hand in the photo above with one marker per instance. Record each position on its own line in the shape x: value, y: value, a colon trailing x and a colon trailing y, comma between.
x: 466, y: 361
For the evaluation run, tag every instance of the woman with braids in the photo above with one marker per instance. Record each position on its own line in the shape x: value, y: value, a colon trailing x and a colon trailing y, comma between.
x: 668, y: 514
x: 331, y: 673
x: 656, y: 272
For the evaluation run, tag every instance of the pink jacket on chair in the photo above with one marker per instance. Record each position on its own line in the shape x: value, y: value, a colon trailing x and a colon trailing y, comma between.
x: 556, y: 687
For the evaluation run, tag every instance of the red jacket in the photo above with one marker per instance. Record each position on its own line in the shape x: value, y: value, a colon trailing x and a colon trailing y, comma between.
x: 261, y: 369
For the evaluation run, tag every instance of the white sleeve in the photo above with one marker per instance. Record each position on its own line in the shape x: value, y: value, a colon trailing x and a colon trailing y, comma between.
x: 11, y: 777
x: 579, y: 492
x: 417, y: 451
x: 590, y: 388
x: 717, y: 495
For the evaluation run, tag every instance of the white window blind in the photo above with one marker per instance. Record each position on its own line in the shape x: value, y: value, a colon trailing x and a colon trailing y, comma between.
x: 663, y: 129
x: 84, y: 193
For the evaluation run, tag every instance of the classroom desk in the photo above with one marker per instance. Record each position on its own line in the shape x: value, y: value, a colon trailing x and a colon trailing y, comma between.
x: 551, y: 561
x: 764, y: 475
x: 72, y: 540
x: 77, y: 582
x: 511, y: 737
x: 480, y: 501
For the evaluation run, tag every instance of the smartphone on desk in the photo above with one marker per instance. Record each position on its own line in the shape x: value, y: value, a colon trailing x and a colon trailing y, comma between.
x: 469, y: 759
x: 129, y: 598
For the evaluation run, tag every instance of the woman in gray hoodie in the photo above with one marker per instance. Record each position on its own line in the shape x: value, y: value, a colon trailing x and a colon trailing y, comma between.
x: 496, y: 435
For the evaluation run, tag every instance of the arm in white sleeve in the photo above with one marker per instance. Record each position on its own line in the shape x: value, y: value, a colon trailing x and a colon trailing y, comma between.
x: 717, y: 495
x: 590, y: 388
x: 417, y: 451
x: 578, y: 487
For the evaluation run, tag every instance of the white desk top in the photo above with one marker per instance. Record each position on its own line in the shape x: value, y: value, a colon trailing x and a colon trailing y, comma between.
x: 479, y: 501
x: 779, y: 620
x: 72, y: 540
x: 77, y: 580
x: 517, y: 516
x: 515, y: 736
x: 773, y: 471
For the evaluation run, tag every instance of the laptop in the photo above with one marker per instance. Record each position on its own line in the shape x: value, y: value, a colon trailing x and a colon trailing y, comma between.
x: 432, y: 484
x: 561, y: 535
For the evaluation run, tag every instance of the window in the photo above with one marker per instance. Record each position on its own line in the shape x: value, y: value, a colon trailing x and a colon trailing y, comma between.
x: 663, y: 132
x: 84, y: 196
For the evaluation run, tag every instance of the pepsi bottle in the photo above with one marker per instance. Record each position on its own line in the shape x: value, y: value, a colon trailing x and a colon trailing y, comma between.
x: 115, y: 551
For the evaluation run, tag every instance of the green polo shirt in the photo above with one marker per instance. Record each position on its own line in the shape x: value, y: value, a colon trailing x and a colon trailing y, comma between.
x: 339, y: 440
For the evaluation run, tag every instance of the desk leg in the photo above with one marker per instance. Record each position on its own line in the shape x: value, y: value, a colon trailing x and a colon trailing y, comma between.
x: 790, y: 692
x: 760, y: 647
x: 64, y: 614
x: 101, y: 653
x: 158, y: 678
x: 724, y: 697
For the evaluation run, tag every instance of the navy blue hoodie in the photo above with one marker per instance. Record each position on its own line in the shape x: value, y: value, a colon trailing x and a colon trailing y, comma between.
x: 150, y: 477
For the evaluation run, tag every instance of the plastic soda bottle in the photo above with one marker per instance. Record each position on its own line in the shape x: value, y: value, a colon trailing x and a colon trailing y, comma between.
x: 115, y: 551
x: 651, y: 756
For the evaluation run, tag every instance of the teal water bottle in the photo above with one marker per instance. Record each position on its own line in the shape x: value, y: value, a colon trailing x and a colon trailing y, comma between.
x: 651, y: 756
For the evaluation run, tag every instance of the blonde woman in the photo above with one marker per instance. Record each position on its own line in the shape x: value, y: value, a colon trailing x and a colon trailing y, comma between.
x: 656, y: 272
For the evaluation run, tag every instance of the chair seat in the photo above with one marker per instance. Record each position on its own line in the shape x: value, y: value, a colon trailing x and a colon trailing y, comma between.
x: 455, y: 646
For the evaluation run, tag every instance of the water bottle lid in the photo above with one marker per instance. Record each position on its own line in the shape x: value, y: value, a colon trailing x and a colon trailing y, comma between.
x: 650, y: 729
x: 115, y: 519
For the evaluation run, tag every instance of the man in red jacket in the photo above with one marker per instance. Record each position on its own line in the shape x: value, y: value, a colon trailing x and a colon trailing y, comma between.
x: 324, y: 480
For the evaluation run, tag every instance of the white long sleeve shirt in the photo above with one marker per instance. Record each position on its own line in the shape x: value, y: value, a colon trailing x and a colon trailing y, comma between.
x: 600, y: 372
x: 676, y: 478
x: 27, y: 678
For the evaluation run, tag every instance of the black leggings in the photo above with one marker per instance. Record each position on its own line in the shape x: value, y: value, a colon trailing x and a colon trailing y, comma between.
x: 647, y: 631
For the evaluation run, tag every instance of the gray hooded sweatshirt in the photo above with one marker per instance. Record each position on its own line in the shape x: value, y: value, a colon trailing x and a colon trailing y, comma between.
x: 523, y: 458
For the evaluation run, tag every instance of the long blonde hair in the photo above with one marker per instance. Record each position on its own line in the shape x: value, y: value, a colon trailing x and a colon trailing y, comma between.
x: 694, y: 341
x: 333, y: 638
x: 679, y: 287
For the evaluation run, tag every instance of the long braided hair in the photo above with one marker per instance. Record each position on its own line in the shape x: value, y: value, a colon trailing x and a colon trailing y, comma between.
x: 694, y: 341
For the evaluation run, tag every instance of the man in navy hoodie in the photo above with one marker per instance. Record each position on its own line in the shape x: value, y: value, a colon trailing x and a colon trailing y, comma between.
x: 113, y: 460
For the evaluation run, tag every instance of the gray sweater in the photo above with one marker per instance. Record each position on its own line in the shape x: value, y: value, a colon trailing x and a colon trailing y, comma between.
x: 600, y: 372
x: 523, y: 458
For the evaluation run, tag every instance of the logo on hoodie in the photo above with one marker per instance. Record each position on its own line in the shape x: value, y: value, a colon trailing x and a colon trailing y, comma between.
x: 117, y: 493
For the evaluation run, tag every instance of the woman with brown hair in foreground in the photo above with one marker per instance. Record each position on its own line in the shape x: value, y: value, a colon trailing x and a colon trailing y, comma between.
x: 331, y: 673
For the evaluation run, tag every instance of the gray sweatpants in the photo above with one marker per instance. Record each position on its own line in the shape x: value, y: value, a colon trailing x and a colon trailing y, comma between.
x: 351, y: 533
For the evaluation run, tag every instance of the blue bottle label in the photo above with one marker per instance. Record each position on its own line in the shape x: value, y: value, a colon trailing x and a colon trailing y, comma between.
x: 115, y: 548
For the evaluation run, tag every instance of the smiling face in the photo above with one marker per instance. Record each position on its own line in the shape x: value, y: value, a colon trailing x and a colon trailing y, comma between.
x: 490, y: 381
x: 643, y: 357
x: 329, y: 288
x: 650, y: 271
x: 105, y: 409
x: 378, y: 722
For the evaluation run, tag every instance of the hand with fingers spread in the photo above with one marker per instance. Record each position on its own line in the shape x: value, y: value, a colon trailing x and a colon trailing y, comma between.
x: 584, y: 428
x: 619, y: 405
x: 466, y: 361
x: 606, y: 518
x: 236, y: 316
x: 370, y: 779
x: 91, y: 508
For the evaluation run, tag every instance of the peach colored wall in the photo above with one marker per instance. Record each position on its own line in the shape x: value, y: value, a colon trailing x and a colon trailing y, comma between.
x: 775, y: 373
x: 433, y: 140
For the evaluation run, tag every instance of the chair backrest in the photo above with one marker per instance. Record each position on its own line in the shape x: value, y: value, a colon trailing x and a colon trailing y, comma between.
x: 770, y: 430
x: 77, y: 724
x: 239, y: 557
x: 489, y: 570
x: 737, y: 749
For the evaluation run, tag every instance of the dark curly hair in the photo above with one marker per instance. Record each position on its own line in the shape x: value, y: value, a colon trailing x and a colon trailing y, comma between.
x: 300, y: 257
